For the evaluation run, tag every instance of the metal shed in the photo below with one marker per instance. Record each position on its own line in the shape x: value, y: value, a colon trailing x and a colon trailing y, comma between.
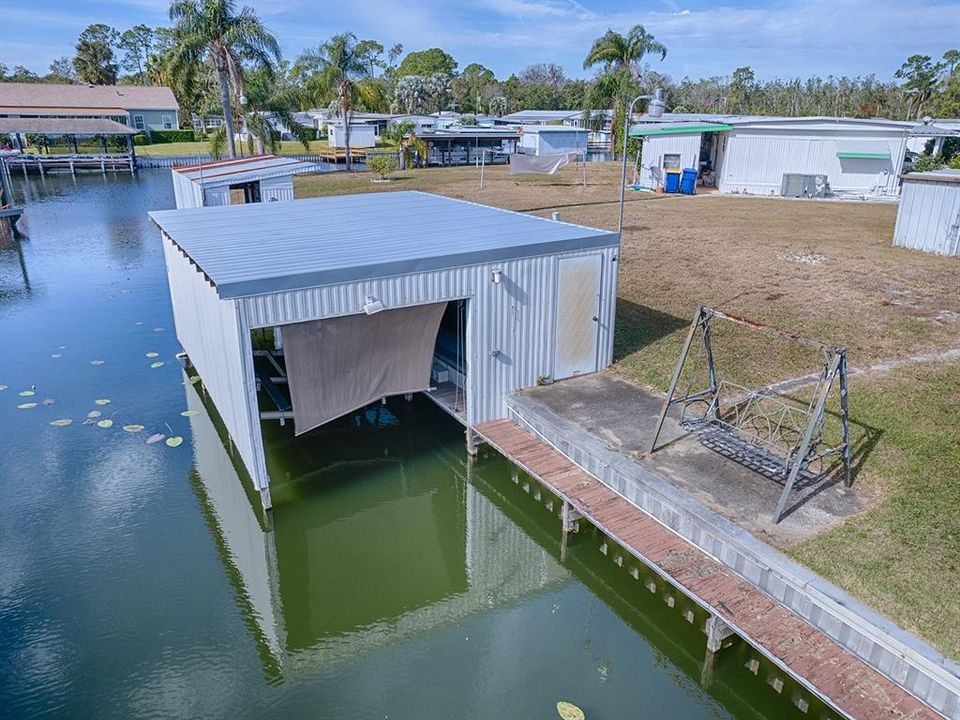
x: 496, y: 301
x: 253, y: 179
x: 553, y: 139
x: 928, y: 218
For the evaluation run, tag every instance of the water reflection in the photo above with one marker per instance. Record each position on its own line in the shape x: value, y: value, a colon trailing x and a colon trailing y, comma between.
x: 14, y: 278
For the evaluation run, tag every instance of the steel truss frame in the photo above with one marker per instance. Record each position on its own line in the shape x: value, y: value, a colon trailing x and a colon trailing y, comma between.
x: 779, y: 429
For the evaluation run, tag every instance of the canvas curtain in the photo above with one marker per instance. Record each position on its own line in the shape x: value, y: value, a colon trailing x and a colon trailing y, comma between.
x: 338, y: 365
x: 541, y: 164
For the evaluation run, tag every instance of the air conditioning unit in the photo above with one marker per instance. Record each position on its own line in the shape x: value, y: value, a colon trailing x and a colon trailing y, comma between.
x: 798, y: 185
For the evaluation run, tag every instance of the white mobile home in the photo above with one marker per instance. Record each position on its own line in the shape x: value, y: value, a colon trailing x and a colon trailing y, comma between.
x: 752, y: 155
x: 552, y: 139
x: 362, y: 135
x: 928, y: 218
x: 484, y: 303
x: 253, y: 179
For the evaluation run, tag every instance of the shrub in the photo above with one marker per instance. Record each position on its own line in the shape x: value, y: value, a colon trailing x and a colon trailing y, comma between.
x: 928, y: 162
x: 383, y: 165
x: 171, y: 136
x: 141, y: 139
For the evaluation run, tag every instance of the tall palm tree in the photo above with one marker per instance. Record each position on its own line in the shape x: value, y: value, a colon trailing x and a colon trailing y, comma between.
x: 621, y: 57
x: 215, y: 32
x: 336, y: 71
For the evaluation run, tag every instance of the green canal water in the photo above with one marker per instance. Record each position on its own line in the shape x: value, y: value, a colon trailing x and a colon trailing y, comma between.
x: 394, y: 579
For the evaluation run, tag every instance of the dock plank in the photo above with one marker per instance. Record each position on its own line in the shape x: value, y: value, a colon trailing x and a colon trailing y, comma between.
x: 840, y: 678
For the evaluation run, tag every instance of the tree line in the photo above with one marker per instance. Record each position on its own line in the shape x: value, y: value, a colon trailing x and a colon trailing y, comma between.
x: 219, y: 59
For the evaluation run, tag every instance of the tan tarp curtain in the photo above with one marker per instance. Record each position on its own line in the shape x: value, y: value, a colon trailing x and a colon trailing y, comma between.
x: 541, y: 164
x: 338, y: 365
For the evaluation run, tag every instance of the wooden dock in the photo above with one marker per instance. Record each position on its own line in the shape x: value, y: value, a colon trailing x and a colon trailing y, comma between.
x: 830, y: 672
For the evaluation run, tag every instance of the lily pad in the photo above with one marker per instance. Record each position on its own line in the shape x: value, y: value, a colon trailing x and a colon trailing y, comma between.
x: 133, y: 428
x: 153, y: 354
x: 101, y: 401
x: 27, y: 393
x: 97, y: 362
x: 569, y: 711
x: 26, y: 406
x: 94, y: 414
x: 190, y: 413
x: 158, y: 363
x: 105, y: 423
x: 155, y: 438
x: 62, y: 422
x: 174, y: 441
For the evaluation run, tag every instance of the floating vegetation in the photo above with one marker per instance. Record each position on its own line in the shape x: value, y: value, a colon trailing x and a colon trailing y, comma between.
x: 194, y: 379
x: 155, y: 438
x: 153, y: 354
x: 101, y: 401
x: 158, y: 363
x: 27, y: 393
x: 97, y: 362
x: 94, y: 414
x: 26, y: 406
x: 569, y: 711
x: 105, y: 423
x: 190, y: 413
x: 175, y: 441
x: 133, y: 428
x: 62, y: 422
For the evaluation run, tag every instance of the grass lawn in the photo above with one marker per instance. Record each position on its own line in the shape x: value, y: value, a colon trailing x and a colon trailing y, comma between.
x: 203, y: 148
x: 825, y: 269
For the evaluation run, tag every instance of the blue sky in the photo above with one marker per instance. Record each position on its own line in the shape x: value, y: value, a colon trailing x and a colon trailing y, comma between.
x: 782, y: 38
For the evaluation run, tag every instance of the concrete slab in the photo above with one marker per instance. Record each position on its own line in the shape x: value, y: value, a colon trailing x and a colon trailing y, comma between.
x: 623, y: 417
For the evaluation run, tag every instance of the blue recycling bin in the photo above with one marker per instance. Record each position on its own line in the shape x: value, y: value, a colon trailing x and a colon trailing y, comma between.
x: 688, y: 184
x: 671, y: 181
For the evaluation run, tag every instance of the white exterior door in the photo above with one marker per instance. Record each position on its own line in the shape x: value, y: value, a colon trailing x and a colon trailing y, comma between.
x: 578, y: 315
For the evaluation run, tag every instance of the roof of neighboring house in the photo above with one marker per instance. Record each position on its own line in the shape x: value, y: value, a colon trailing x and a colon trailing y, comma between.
x: 65, y: 126
x: 274, y: 247
x: 534, y: 116
x: 241, y: 170
x: 939, y: 176
x: 14, y: 96
x: 553, y: 128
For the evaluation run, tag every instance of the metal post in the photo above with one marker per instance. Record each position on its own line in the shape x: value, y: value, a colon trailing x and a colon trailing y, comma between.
x: 845, y: 417
x: 656, y: 110
x: 483, y: 162
x: 697, y: 320
x: 711, y: 368
x: 808, y: 436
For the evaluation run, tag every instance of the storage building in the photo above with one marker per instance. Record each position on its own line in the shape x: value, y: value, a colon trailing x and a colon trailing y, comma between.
x: 928, y: 218
x: 552, y: 139
x: 471, y: 302
x: 254, y: 179
x: 362, y: 134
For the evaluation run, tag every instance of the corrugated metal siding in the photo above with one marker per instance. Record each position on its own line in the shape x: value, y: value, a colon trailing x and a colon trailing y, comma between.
x: 516, y: 317
x: 186, y: 193
x: 212, y: 333
x: 929, y: 217
x: 216, y: 196
x: 655, y: 147
x: 756, y: 160
x: 274, y: 189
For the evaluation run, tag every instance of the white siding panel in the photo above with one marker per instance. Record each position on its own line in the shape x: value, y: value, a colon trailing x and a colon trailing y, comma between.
x: 656, y: 146
x: 187, y: 194
x: 211, y: 332
x: 274, y: 189
x: 929, y: 217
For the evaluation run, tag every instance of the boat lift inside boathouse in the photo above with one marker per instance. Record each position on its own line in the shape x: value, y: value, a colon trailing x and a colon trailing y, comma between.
x: 304, y: 311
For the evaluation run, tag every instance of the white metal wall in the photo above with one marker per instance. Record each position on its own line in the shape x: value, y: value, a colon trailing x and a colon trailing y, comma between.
x: 656, y: 146
x: 756, y: 160
x: 214, y: 196
x: 278, y: 188
x: 929, y: 217
x: 517, y: 317
x: 212, y: 333
x: 186, y: 192
x: 361, y: 135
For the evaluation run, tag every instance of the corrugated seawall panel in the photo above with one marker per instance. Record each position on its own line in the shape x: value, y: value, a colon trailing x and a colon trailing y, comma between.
x: 756, y: 160
x: 516, y: 317
x: 656, y: 146
x: 210, y: 331
x: 928, y: 218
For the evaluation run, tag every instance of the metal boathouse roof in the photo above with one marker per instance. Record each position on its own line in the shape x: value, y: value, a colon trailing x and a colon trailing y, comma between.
x: 263, y: 248
x: 241, y: 170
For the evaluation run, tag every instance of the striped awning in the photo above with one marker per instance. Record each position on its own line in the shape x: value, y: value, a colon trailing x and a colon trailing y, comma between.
x: 863, y: 149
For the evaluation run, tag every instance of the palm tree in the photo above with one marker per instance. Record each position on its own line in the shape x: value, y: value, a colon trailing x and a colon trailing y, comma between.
x: 620, y: 56
x: 408, y: 144
x: 272, y: 99
x: 213, y: 31
x: 335, y: 70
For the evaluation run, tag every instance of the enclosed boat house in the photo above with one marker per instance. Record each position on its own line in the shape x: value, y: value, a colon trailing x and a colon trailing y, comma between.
x: 253, y: 179
x: 304, y: 311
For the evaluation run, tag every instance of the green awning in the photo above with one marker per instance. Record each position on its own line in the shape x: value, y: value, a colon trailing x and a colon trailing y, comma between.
x: 677, y: 128
x: 863, y: 149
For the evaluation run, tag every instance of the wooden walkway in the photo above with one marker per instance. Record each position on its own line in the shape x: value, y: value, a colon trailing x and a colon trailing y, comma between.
x: 834, y: 674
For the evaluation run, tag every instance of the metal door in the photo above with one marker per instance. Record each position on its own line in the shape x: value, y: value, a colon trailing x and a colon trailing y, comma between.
x: 578, y: 316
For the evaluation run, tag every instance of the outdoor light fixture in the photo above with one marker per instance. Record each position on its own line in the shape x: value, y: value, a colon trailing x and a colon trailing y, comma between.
x: 655, y: 109
x: 372, y: 305
x: 497, y: 276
